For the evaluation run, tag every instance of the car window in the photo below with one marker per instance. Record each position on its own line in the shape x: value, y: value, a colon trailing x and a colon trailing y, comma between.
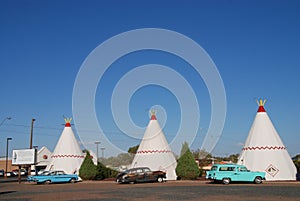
x: 243, y: 169
x: 231, y: 168
x: 214, y: 168
x: 147, y: 170
x: 227, y: 168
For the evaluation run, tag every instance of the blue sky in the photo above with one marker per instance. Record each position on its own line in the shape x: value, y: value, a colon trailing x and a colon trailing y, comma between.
x: 43, y: 44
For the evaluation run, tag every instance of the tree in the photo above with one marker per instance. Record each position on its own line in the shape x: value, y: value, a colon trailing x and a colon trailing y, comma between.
x: 201, y: 154
x: 121, y: 159
x: 184, y: 148
x: 187, y: 167
x: 133, y: 150
x: 88, y: 170
x: 296, y: 161
x: 104, y: 172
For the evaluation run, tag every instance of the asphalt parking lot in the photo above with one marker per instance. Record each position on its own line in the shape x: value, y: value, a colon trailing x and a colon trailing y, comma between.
x: 171, y: 190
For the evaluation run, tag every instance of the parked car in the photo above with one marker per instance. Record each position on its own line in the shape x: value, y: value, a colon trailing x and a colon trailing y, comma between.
x: 227, y: 173
x: 11, y: 174
x: 53, y: 177
x: 22, y: 171
x: 140, y: 174
x: 2, y: 173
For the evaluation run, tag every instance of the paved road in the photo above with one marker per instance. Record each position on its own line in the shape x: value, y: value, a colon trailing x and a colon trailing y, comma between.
x: 175, y: 190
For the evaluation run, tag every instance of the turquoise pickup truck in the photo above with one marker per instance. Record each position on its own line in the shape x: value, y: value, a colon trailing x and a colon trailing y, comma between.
x: 227, y: 173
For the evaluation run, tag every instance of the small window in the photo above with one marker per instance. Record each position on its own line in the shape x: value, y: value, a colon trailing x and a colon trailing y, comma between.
x: 223, y: 168
x: 226, y: 168
x: 243, y: 169
x: 147, y: 170
x: 231, y: 168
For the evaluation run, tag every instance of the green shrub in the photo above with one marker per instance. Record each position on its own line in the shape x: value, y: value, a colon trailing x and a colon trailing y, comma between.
x: 104, y: 172
x: 187, y: 167
x: 88, y: 169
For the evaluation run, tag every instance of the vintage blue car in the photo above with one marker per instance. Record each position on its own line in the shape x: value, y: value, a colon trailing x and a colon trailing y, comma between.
x: 53, y: 177
x: 227, y: 173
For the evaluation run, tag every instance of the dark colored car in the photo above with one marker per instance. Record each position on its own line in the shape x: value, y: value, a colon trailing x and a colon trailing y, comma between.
x: 140, y: 174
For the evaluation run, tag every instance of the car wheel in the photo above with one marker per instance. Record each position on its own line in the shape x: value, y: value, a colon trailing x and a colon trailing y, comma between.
x: 225, y: 180
x: 48, y: 182
x: 160, y: 179
x: 73, y: 180
x: 258, y: 180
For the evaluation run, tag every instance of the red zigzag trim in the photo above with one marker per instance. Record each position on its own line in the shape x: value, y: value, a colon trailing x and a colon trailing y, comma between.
x: 264, y: 148
x: 153, y: 151
x: 67, y: 156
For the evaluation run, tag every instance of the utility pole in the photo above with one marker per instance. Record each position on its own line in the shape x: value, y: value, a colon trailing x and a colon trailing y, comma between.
x: 31, y: 133
x: 30, y: 144
x: 102, y: 149
x: 97, y: 143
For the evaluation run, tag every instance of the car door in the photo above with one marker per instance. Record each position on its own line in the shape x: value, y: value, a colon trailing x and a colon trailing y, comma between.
x: 149, y: 176
x: 140, y: 175
x: 242, y: 174
x: 54, y: 177
x: 61, y: 177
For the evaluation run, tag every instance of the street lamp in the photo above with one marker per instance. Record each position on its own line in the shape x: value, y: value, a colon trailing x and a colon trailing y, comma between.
x: 97, y: 143
x: 6, y: 118
x: 7, y: 139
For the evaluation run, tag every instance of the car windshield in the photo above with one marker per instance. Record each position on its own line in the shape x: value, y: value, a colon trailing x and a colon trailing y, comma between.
x: 45, y: 173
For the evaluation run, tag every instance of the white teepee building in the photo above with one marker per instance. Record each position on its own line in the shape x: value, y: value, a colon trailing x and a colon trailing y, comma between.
x: 154, y: 151
x: 67, y: 154
x: 264, y: 150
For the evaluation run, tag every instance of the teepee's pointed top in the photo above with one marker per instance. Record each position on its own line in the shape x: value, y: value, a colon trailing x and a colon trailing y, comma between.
x: 68, y: 122
x: 261, y: 104
x: 153, y: 116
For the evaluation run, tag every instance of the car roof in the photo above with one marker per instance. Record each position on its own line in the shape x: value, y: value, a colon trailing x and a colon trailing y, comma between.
x: 137, y: 168
x: 229, y: 164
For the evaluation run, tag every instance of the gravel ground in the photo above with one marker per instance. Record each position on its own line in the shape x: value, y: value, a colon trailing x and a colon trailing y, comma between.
x: 171, y: 190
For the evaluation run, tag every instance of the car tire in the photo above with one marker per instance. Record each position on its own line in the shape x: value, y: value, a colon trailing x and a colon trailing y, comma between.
x: 226, y: 181
x: 258, y: 180
x: 73, y: 180
x: 160, y: 179
x: 48, y: 182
